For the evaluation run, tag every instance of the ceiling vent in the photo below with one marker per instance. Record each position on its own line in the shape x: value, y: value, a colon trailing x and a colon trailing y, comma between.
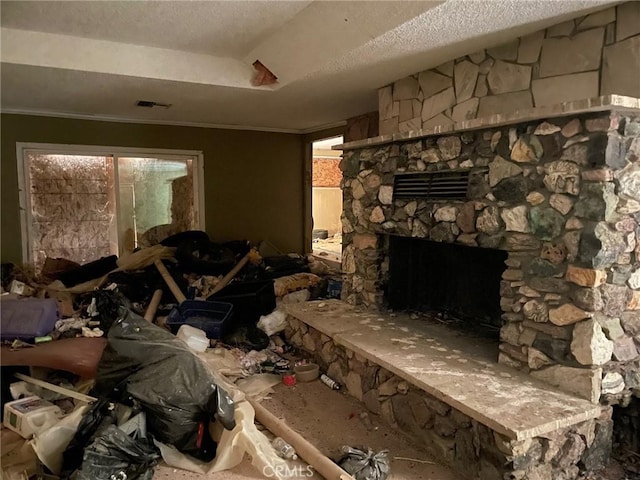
x: 449, y: 185
x: 150, y: 104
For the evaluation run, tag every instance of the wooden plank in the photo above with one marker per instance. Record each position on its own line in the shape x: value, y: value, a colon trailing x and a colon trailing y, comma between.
x: 55, y: 388
x: 305, y: 450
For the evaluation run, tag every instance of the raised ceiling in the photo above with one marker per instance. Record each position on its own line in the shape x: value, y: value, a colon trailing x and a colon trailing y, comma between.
x: 97, y: 59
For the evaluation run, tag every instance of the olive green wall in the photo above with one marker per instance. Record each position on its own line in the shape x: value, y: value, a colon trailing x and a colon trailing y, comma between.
x: 254, y: 183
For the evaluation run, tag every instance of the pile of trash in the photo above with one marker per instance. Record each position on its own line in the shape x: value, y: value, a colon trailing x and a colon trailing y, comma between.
x: 149, y: 356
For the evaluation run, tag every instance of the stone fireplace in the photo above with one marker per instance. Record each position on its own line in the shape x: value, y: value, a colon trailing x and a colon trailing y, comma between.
x: 504, y: 191
x: 557, y: 193
x: 541, y: 243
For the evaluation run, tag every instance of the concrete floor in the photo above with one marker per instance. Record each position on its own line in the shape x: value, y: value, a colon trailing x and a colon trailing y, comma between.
x: 330, y: 419
x: 328, y: 249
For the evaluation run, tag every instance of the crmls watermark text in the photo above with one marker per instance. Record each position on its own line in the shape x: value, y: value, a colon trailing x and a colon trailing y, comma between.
x: 285, y: 471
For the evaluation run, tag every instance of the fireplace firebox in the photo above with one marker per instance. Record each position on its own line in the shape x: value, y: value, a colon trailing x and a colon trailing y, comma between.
x: 458, y: 281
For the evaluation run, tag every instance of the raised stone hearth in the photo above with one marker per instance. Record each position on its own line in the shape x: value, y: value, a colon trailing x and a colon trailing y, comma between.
x: 483, y: 419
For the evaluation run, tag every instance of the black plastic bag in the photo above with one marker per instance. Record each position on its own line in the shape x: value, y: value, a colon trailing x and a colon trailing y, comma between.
x: 204, y: 257
x: 365, y: 465
x: 107, y: 303
x: 137, y: 286
x: 89, y: 271
x: 176, y: 239
x: 170, y: 382
x: 99, y: 417
x: 283, y: 265
x: 116, y: 455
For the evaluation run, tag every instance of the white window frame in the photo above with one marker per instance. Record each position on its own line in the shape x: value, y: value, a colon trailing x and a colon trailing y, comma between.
x: 24, y: 186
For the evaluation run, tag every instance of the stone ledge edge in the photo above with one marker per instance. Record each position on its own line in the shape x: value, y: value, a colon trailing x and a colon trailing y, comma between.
x: 513, y: 434
x: 595, y: 104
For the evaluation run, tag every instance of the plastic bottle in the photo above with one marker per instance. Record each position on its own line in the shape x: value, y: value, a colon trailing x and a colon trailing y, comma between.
x: 283, y: 449
x: 329, y: 382
x: 30, y: 415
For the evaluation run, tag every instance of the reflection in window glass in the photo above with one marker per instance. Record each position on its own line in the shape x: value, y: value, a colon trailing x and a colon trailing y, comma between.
x: 156, y: 199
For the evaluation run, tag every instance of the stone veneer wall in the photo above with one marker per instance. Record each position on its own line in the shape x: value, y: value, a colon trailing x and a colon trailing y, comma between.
x: 587, y: 57
x: 469, y: 447
x: 562, y: 197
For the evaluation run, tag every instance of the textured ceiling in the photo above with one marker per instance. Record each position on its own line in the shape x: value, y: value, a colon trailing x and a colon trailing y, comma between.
x: 224, y: 28
x: 97, y: 59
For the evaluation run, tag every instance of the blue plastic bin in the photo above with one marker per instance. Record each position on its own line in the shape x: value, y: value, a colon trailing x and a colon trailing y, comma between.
x: 27, y: 318
x: 212, y: 317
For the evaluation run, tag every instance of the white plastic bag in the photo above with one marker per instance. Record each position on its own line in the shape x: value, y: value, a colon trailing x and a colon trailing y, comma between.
x: 273, y: 323
x: 51, y: 444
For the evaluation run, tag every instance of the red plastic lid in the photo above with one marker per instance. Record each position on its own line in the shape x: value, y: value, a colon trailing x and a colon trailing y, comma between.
x: 289, y: 380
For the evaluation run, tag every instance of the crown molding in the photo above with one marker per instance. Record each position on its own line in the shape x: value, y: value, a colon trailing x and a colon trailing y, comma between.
x: 117, y: 119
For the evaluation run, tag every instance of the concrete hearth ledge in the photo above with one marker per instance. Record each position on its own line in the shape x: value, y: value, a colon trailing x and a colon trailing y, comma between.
x: 596, y: 104
x: 507, y: 401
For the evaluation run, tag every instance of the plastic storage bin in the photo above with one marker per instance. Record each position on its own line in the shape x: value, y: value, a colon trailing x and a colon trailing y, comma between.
x: 250, y: 300
x: 212, y: 317
x: 27, y: 318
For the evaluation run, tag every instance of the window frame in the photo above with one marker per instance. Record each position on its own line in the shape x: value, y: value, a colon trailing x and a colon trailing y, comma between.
x: 24, y: 185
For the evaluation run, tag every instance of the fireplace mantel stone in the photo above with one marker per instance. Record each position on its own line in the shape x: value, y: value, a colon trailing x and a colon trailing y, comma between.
x: 619, y: 103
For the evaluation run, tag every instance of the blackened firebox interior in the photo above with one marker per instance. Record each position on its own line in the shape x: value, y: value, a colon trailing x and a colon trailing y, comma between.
x: 459, y: 282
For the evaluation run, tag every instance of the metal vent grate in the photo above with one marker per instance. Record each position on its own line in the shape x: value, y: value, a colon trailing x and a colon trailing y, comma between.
x: 451, y: 185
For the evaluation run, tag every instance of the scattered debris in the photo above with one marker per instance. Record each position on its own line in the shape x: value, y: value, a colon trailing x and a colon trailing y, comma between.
x: 329, y: 382
x: 364, y: 464
x: 31, y: 415
x: 283, y: 449
x: 152, y: 396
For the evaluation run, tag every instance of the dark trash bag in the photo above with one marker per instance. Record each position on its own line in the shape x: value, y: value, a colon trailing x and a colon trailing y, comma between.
x: 171, y: 383
x: 190, y: 235
x: 100, y: 416
x: 108, y: 304
x: 116, y: 455
x: 365, y: 465
x: 204, y: 257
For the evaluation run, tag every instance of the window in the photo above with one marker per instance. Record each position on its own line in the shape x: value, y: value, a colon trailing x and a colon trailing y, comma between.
x: 82, y: 203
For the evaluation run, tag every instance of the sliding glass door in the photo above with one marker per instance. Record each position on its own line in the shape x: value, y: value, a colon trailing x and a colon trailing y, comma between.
x: 82, y: 206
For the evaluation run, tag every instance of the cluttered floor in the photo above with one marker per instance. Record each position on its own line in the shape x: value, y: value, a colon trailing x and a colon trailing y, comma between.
x: 329, y: 248
x: 304, y: 408
x: 170, y: 363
